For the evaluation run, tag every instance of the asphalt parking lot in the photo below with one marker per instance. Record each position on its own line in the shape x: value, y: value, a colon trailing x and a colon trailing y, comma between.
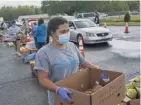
x: 18, y: 87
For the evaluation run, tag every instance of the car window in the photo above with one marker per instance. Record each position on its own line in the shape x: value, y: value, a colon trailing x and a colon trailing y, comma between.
x: 79, y: 16
x: 71, y: 24
x: 84, y: 24
x: 88, y: 15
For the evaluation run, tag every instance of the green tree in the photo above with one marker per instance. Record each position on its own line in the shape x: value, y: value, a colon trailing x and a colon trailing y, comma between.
x: 70, y: 7
x: 127, y: 17
x: 11, y: 13
x: 134, y: 5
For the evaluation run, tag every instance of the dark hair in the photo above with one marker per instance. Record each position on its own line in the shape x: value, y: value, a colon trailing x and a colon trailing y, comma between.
x: 54, y: 23
x: 13, y: 22
x: 35, y: 23
x: 40, y: 21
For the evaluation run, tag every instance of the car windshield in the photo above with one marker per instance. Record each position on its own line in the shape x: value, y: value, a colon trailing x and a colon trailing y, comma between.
x: 88, y: 15
x: 84, y: 24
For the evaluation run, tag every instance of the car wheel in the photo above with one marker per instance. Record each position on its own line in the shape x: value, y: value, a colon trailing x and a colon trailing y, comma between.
x: 78, y: 39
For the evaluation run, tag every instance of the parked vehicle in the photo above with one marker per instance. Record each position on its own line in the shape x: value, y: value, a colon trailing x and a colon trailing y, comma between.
x: 90, y: 16
x: 135, y: 12
x: 89, y: 31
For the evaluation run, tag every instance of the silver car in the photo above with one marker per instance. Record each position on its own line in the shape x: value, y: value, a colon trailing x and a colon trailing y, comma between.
x: 89, y: 31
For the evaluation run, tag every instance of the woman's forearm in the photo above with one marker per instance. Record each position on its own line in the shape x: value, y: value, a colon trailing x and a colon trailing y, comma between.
x: 49, y: 85
x: 88, y: 64
x: 45, y: 82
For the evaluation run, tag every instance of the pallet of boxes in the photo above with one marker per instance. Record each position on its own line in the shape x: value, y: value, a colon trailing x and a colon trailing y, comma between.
x: 133, y: 92
x: 27, y: 47
x: 89, y: 89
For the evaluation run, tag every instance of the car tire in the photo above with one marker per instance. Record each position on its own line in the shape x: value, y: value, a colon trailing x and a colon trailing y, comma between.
x: 78, y: 37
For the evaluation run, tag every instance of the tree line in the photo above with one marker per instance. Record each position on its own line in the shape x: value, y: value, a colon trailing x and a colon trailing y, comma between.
x: 69, y: 7
x: 10, y: 13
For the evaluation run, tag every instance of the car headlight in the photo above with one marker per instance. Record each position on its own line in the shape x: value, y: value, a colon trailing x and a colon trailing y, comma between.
x: 90, y: 34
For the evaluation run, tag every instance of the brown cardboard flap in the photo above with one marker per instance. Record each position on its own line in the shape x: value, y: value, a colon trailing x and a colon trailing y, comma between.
x: 78, y: 98
x: 79, y: 81
x: 126, y: 99
x: 135, y: 102
x: 111, y: 94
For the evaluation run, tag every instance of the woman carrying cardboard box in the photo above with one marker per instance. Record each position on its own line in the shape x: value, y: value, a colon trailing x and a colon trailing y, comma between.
x: 58, y: 60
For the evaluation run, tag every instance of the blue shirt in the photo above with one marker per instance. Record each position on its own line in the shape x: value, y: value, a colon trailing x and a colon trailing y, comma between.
x: 41, y: 33
x: 34, y: 30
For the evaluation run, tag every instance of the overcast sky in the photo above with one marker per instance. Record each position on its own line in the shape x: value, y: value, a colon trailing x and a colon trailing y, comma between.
x: 20, y: 2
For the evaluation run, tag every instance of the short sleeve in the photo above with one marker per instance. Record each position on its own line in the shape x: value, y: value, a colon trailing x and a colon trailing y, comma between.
x: 41, y: 62
x: 81, y: 58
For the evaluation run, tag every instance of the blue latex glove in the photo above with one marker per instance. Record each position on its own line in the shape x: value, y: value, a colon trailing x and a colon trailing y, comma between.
x: 29, y: 57
x: 63, y: 93
x: 104, y: 77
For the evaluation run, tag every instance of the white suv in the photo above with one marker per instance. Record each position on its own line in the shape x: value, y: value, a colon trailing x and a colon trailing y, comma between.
x: 90, y: 16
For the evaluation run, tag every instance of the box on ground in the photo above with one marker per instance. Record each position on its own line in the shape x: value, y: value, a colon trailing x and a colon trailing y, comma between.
x: 24, y: 51
x: 112, y: 93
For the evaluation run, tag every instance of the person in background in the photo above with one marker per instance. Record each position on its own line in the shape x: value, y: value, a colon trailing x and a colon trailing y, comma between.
x: 3, y: 29
x: 41, y: 33
x: 12, y: 32
x: 25, y: 26
x: 97, y: 21
x: 3, y: 26
x: 34, y: 32
x: 58, y: 60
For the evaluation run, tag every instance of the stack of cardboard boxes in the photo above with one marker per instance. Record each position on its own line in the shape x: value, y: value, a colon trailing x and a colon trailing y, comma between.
x: 24, y: 51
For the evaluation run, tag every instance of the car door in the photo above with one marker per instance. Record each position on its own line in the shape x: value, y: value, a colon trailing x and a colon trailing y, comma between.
x: 73, y: 32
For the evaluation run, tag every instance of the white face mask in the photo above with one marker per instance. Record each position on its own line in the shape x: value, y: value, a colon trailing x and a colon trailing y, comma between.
x: 64, y: 38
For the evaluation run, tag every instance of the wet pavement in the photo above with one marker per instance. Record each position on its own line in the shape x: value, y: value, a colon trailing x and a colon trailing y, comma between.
x: 19, y: 87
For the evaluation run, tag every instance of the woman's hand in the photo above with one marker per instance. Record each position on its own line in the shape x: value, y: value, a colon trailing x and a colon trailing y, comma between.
x: 64, y: 93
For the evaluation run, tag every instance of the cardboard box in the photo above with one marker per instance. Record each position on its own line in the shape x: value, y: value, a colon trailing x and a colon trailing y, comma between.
x: 24, y: 51
x: 33, y: 50
x: 126, y: 101
x: 134, y: 102
x: 112, y: 93
x: 123, y: 103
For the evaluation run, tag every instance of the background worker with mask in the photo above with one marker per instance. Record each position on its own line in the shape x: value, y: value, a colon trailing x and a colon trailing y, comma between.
x: 58, y: 60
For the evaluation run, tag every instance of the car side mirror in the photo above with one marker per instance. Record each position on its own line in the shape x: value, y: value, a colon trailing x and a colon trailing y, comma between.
x: 72, y: 27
